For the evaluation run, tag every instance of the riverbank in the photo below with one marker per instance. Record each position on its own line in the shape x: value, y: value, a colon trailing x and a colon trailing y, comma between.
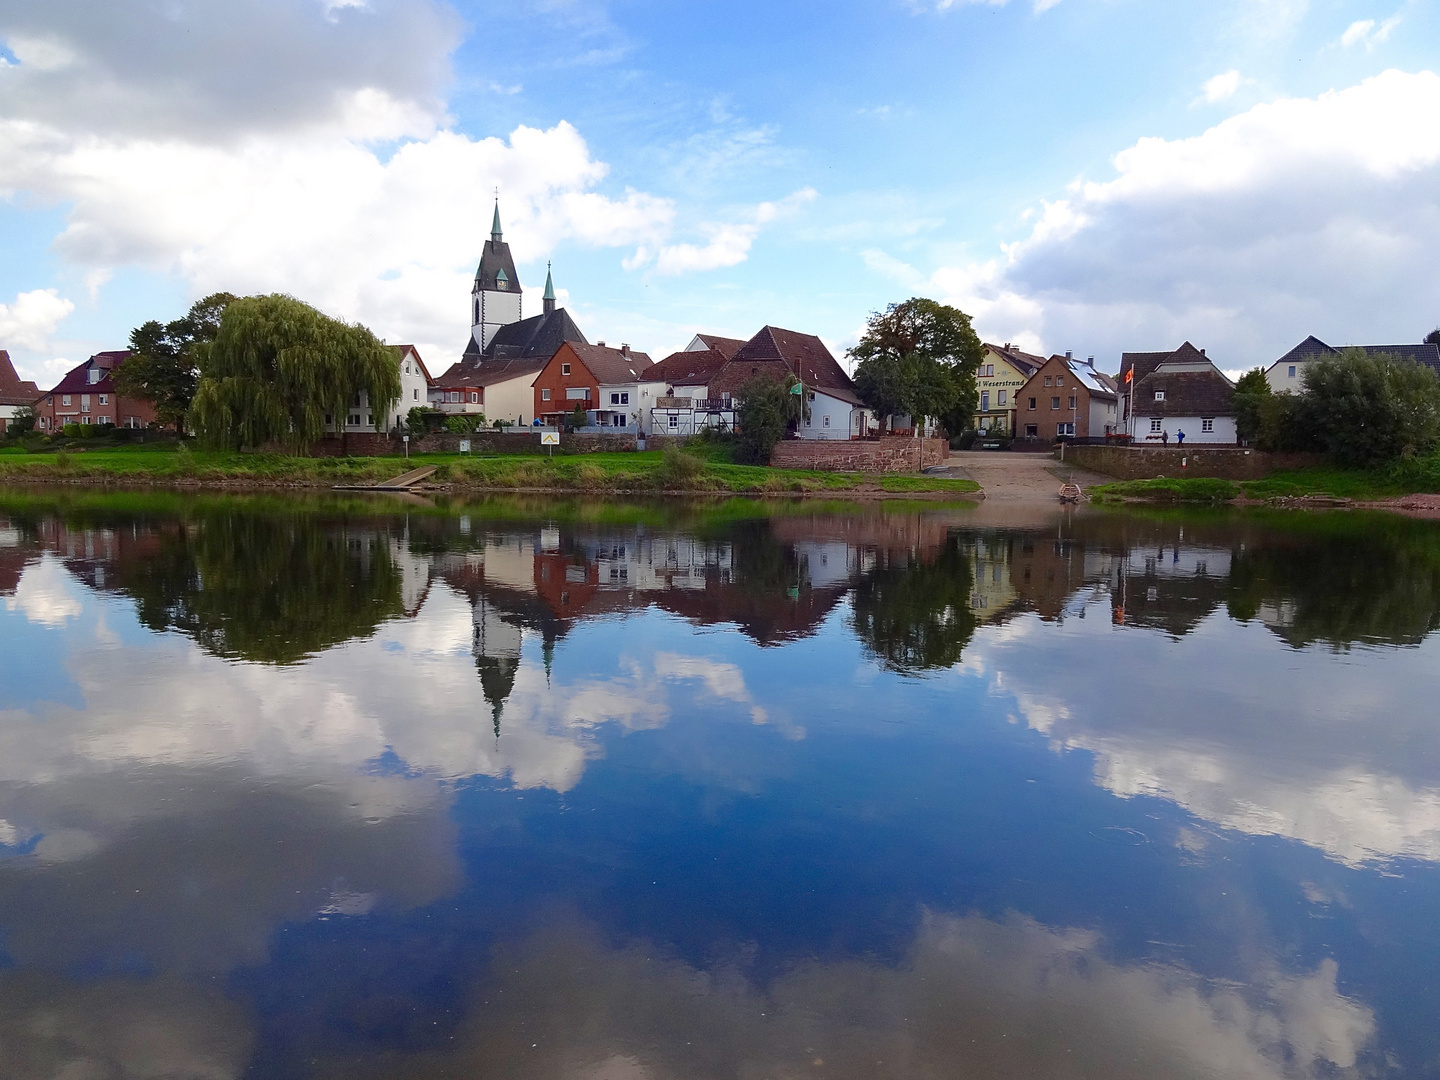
x: 646, y: 472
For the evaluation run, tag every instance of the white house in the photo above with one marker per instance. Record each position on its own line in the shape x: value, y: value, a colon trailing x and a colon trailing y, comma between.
x: 1168, y: 394
x: 414, y: 392
x: 1286, y: 375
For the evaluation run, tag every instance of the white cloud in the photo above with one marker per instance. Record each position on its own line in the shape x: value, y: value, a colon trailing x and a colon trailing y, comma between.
x: 46, y: 594
x: 1222, y: 87
x: 1295, y: 217
x: 1037, y: 6
x: 30, y: 321
x: 1366, y: 32
x: 729, y: 244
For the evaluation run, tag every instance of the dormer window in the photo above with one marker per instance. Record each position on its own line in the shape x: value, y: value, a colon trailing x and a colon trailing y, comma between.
x: 1159, y: 395
x: 95, y: 375
x: 501, y: 281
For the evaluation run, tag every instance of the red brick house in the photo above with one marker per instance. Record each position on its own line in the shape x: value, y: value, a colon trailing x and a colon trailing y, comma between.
x: 613, y: 386
x: 86, y: 395
x: 15, y: 393
x: 1067, y: 399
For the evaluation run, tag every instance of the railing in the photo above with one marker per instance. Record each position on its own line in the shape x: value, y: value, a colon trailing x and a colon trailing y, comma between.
x: 674, y: 403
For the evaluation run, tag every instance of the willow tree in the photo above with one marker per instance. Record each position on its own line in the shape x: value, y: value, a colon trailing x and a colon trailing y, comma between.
x: 277, y: 368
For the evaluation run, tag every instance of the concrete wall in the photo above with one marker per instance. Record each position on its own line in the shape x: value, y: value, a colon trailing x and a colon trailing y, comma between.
x: 1147, y: 462
x: 860, y: 455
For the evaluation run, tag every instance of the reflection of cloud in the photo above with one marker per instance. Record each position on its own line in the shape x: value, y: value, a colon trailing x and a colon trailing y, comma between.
x: 1288, y: 743
x: 725, y: 681
x: 46, y: 594
x: 973, y: 997
x: 126, y: 1029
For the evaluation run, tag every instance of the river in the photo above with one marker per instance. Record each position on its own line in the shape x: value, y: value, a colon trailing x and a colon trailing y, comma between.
x: 732, y: 789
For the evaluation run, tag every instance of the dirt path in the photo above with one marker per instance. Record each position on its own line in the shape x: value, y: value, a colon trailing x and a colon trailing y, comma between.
x: 1021, y: 477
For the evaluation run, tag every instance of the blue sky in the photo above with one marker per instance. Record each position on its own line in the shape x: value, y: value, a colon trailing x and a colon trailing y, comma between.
x: 1093, y: 175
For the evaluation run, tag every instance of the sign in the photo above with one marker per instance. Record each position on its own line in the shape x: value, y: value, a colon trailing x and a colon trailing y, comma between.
x: 549, y: 438
x: 464, y: 446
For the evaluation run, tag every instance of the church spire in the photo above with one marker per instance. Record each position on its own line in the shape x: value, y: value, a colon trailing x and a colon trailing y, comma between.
x: 549, y: 297
x: 495, y: 234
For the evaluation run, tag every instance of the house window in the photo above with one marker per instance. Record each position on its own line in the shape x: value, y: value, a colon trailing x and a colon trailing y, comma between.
x: 417, y: 394
x: 1159, y: 395
x: 353, y: 420
x: 84, y: 402
x: 1032, y: 404
x: 1292, y: 371
x: 1032, y: 430
x: 827, y: 419
x: 984, y: 400
x: 564, y: 369
x: 807, y: 421
x: 1065, y: 429
x: 1059, y: 380
x: 1054, y: 403
x: 1001, y: 402
x: 452, y: 397
x: 1207, y: 423
x: 65, y: 399
x: 1072, y: 401
x: 577, y: 393
x: 1155, y: 425
x: 369, y: 421
x: 674, y: 420
x: 104, y: 399
x: 544, y: 395
x: 1047, y: 380
x: 474, y: 397
x: 94, y: 375
x: 620, y: 399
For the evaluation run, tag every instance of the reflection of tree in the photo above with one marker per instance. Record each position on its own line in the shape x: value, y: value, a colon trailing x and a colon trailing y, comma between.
x: 1345, y: 580
x: 914, y: 614
x: 274, y: 588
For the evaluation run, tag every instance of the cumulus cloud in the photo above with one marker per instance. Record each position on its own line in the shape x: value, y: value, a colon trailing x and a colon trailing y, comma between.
x: 1297, y: 216
x: 973, y: 996
x: 1368, y: 33
x: 729, y: 244
x: 30, y: 321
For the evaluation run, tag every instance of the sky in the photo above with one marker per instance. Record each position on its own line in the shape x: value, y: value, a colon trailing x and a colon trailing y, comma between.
x: 1085, y: 175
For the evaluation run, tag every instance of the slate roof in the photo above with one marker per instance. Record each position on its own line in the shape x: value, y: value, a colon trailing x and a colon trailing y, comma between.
x: 776, y: 353
x: 688, y: 368
x: 725, y: 346
x: 1025, y: 363
x: 76, y: 381
x: 495, y: 257
x: 612, y: 367
x: 539, y: 335
x: 1312, y: 348
x: 1187, y: 393
x: 13, y: 389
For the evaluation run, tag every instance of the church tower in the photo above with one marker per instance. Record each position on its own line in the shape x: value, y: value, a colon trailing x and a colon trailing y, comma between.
x: 495, y: 299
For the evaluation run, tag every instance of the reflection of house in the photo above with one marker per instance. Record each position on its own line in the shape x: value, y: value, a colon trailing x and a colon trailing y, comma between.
x: 994, y: 592
x: 1171, y: 587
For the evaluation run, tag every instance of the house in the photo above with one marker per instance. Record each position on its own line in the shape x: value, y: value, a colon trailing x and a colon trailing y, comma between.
x: 1286, y: 375
x: 414, y: 393
x: 835, y: 409
x: 15, y: 393
x: 685, y: 406
x: 1067, y: 398
x: 613, y: 385
x: 1167, y: 393
x: 725, y: 346
x: 1003, y: 371
x: 86, y: 395
x: 496, y: 373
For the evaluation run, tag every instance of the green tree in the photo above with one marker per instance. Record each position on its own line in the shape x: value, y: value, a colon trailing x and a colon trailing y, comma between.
x: 22, y: 423
x: 578, y: 417
x: 276, y: 370
x: 1433, y: 338
x: 1250, y: 394
x: 162, y: 368
x: 762, y: 413
x: 1367, y: 409
x: 919, y: 357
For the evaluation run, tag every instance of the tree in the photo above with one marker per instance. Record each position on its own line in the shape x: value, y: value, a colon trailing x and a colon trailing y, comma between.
x: 1250, y: 394
x: 161, y: 368
x: 1370, y: 408
x: 1433, y: 338
x: 22, y: 423
x: 919, y: 357
x: 278, y: 369
x: 579, y: 417
x: 762, y: 413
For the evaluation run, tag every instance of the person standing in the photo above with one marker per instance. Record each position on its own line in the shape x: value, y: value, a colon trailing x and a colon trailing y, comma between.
x: 1180, y: 436
x: 1165, y: 437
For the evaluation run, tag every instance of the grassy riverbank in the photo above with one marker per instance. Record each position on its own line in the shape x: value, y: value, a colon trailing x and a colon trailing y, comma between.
x: 649, y: 471
x: 1408, y: 477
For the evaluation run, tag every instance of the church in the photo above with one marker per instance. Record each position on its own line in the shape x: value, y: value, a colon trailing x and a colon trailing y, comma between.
x: 506, y: 350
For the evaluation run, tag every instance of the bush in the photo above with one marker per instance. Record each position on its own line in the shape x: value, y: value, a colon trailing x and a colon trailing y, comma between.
x: 761, y: 415
x: 21, y: 424
x: 679, y: 469
x: 1367, y: 409
x: 71, y: 431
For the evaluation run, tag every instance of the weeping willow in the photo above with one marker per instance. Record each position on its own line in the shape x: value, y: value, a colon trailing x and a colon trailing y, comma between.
x: 278, y: 367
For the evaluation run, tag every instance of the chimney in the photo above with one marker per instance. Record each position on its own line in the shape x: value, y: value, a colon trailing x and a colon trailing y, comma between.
x: 1202, y: 352
x: 1068, y: 355
x: 1007, y: 345
x: 625, y: 349
x: 1091, y: 361
x: 601, y: 344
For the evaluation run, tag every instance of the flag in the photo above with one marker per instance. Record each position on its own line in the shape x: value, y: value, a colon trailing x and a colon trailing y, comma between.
x: 798, y: 388
x: 1129, y: 374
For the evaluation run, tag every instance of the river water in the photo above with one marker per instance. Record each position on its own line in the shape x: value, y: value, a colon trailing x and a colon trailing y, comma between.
x: 613, y: 791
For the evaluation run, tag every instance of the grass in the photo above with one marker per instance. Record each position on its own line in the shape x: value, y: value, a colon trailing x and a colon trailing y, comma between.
x: 1403, y: 477
x: 646, y: 471
x: 1198, y: 489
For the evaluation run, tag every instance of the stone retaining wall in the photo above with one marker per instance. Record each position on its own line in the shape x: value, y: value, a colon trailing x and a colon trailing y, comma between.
x: 369, y: 444
x: 1147, y: 462
x: 889, y: 455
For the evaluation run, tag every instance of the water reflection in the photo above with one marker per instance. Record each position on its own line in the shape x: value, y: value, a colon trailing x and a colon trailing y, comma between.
x: 713, y: 791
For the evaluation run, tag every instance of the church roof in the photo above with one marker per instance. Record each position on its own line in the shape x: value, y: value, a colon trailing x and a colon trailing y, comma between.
x: 495, y: 260
x: 537, y: 336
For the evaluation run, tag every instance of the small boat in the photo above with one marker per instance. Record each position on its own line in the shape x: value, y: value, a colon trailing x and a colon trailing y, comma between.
x: 1071, y: 493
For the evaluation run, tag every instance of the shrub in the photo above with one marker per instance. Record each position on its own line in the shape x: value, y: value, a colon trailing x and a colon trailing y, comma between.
x: 679, y: 469
x: 71, y: 431
x: 760, y: 414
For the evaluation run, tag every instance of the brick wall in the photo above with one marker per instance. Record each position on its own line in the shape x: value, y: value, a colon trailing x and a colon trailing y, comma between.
x: 860, y: 455
x: 1147, y: 462
x: 369, y: 444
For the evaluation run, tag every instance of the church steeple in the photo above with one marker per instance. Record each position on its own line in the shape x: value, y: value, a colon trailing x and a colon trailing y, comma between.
x: 495, y: 235
x: 549, y: 298
x: 495, y: 299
